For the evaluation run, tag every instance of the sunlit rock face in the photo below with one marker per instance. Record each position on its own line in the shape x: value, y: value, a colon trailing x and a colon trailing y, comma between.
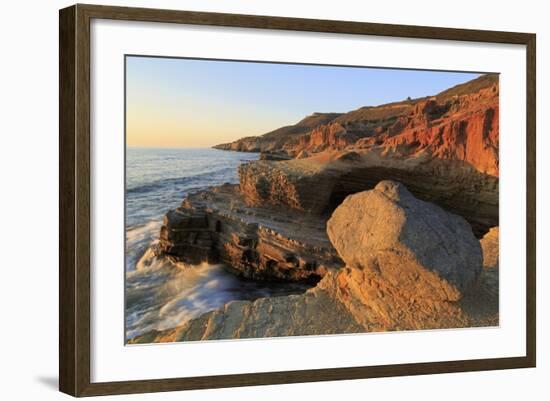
x: 409, y: 265
x: 443, y: 148
x: 461, y: 123
x: 413, y: 245
x: 262, y: 242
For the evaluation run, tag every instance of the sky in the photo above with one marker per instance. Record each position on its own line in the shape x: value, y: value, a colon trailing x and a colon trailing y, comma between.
x: 173, y: 102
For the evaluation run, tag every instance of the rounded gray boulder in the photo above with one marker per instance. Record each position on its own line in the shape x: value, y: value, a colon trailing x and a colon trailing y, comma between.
x: 412, y: 245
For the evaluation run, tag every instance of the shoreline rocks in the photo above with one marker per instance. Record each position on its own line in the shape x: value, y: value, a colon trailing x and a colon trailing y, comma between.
x: 261, y: 243
x: 372, y: 292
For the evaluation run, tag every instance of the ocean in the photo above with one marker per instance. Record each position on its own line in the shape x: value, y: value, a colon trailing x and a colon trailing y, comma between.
x: 158, y: 179
x: 161, y: 294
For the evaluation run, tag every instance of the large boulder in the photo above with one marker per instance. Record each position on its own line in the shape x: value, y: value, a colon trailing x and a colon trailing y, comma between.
x: 408, y: 244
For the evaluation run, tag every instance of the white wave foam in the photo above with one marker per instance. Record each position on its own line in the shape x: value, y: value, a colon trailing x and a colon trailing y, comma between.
x: 161, y: 294
x: 138, y: 241
x: 142, y: 232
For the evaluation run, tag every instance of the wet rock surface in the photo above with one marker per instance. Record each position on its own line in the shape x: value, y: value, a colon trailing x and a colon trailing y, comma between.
x: 313, y: 313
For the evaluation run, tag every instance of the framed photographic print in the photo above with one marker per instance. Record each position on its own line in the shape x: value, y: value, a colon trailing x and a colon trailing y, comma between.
x: 250, y: 200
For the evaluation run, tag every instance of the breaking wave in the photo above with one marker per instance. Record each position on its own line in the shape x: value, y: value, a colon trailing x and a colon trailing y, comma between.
x: 161, y: 294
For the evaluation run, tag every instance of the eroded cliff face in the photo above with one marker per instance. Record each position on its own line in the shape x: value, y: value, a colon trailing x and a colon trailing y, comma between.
x: 443, y: 148
x: 318, y: 184
x: 375, y: 291
x: 460, y: 124
x: 463, y: 128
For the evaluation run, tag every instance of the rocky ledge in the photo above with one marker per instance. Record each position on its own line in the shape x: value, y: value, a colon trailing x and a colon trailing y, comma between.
x: 319, y: 183
x: 408, y: 265
x: 258, y: 242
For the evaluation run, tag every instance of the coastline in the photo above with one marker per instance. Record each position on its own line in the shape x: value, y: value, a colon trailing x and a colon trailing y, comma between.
x: 327, y: 308
x: 428, y: 166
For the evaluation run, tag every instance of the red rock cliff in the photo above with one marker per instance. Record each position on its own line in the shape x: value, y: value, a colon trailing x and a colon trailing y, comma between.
x: 464, y: 128
x: 461, y: 127
x: 461, y: 124
x: 329, y: 136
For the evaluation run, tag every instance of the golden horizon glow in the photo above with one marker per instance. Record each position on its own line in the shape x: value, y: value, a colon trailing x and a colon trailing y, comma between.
x: 200, y: 103
x: 158, y: 118
x: 150, y: 130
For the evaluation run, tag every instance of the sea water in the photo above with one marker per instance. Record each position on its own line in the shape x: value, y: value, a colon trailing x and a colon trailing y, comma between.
x: 161, y: 294
x: 157, y: 180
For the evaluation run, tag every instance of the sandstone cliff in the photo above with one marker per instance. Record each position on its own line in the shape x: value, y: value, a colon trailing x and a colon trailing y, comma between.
x: 277, y: 140
x: 460, y: 123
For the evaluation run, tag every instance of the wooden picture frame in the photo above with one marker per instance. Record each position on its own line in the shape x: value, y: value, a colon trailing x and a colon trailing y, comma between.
x: 74, y: 203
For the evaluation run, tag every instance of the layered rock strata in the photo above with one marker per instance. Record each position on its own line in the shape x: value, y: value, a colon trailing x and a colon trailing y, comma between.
x: 258, y: 242
x: 318, y: 184
x: 400, y: 280
x: 443, y: 148
x: 461, y: 124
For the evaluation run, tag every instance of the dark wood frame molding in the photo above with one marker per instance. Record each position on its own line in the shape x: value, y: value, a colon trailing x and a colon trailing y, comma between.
x: 74, y: 198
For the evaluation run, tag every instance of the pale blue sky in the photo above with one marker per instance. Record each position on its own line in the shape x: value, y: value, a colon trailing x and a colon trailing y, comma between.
x: 184, y: 102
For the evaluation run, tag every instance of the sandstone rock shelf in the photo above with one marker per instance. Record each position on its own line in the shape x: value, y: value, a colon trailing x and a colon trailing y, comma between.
x: 318, y: 184
x: 257, y: 242
x: 403, y: 279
